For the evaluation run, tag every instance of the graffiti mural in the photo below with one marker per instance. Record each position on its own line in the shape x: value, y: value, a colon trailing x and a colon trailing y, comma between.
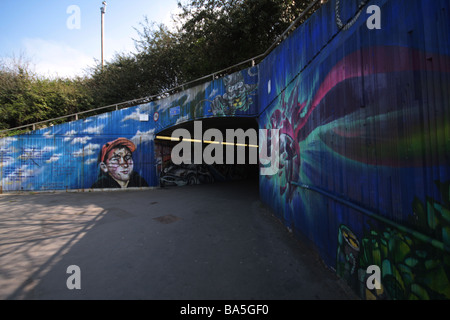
x: 171, y: 174
x: 355, y: 121
x: 411, y: 268
x: 116, y: 166
x: 236, y: 98
x: 363, y: 119
x: 117, y: 149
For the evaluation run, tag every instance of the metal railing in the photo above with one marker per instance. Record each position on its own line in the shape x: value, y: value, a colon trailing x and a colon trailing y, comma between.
x: 213, y: 76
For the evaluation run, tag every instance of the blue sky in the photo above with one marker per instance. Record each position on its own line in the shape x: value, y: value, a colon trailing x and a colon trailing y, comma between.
x: 38, y: 31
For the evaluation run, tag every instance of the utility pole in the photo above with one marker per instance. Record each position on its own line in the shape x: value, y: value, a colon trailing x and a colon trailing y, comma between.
x: 103, y: 10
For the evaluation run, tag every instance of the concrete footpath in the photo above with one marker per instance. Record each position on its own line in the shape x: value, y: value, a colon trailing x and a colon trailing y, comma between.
x: 201, y: 242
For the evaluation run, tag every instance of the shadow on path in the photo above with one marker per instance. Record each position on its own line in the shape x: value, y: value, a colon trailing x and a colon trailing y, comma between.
x: 199, y: 242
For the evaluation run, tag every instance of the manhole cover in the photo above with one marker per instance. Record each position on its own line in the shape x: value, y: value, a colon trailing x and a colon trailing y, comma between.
x: 167, y: 219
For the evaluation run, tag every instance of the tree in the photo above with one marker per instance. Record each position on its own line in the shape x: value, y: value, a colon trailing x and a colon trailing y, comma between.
x: 25, y: 98
x: 219, y: 33
x: 212, y: 35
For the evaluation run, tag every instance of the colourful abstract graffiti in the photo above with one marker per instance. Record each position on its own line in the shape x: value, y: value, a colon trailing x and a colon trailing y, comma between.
x: 365, y: 118
x: 411, y: 268
x: 237, y: 96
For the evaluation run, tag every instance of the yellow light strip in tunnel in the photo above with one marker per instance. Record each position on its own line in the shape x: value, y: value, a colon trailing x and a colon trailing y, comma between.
x: 207, y: 141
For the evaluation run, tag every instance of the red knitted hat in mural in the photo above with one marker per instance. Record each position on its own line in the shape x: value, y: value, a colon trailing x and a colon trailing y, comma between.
x: 119, y: 142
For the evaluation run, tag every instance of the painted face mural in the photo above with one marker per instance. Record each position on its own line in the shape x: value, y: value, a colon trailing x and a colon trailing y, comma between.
x: 116, y: 166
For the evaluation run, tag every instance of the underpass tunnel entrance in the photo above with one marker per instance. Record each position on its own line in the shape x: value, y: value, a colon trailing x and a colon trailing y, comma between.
x: 207, y: 151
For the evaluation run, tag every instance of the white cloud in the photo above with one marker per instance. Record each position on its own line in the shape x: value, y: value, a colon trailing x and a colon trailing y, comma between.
x: 92, y: 146
x: 82, y: 140
x: 168, y: 102
x: 95, y: 130
x: 54, y: 158
x: 70, y: 133
x: 213, y: 93
x: 56, y: 59
x: 5, y: 160
x: 182, y: 119
x: 18, y: 175
x: 134, y: 116
x: 90, y: 161
x: 6, y: 141
x: 104, y: 116
x: 86, y: 151
x: 142, y: 137
x: 30, y: 153
x: 48, y: 149
x: 48, y: 135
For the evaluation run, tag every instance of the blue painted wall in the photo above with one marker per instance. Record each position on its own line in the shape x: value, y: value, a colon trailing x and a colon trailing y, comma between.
x: 364, y: 122
x: 66, y: 156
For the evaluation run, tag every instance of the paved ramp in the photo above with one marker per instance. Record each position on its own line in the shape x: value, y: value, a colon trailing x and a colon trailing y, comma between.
x: 199, y: 242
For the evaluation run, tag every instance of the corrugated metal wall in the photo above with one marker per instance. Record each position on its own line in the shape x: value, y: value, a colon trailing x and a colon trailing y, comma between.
x: 64, y: 157
x: 365, y: 142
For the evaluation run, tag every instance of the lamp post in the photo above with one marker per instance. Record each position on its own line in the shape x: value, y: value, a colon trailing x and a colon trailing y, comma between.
x: 103, y: 10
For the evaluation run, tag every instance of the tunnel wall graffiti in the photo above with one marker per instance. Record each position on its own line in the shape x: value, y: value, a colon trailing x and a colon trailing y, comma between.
x: 365, y: 143
x: 86, y: 154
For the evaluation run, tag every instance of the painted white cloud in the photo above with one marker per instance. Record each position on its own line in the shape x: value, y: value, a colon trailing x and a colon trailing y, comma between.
x: 103, y: 116
x: 48, y: 149
x: 56, y: 59
x: 48, y: 135
x: 6, y: 141
x: 30, y: 153
x: 90, y: 161
x: 92, y: 146
x: 134, y: 116
x: 168, y: 102
x: 182, y: 119
x: 5, y: 159
x: 94, y: 130
x: 87, y: 151
x: 69, y: 135
x: 54, y: 158
x: 142, y: 137
x: 18, y: 175
x: 213, y: 93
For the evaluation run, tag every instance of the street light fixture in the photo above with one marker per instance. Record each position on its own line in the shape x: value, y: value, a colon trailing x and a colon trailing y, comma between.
x: 103, y: 10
